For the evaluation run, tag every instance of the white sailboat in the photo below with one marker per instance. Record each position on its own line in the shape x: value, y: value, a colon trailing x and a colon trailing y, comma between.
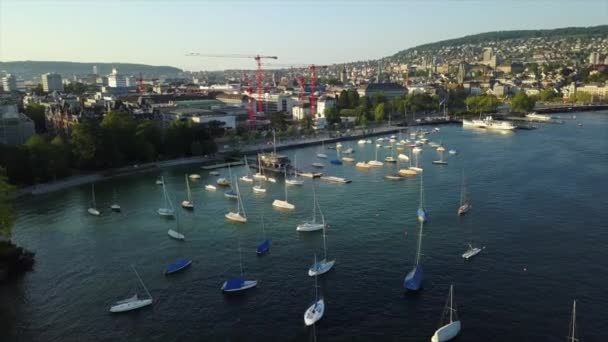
x: 295, y: 180
x: 452, y: 328
x: 237, y: 284
x: 115, y: 206
x: 239, y: 215
x: 167, y: 209
x: 440, y: 161
x: 93, y: 209
x: 134, y: 302
x: 315, y: 312
x: 319, y: 154
x: 259, y: 188
x: 572, y: 329
x: 323, y: 266
x: 283, y: 204
x: 416, y: 168
x: 375, y: 162
x: 260, y: 174
x: 187, y: 203
x: 313, y: 225
x: 175, y: 233
x: 465, y: 206
x: 247, y: 178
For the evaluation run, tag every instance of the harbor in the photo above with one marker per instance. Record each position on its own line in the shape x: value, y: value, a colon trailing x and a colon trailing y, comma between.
x: 522, y: 212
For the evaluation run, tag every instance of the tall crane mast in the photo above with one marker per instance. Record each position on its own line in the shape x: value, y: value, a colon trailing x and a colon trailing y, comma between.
x: 259, y: 75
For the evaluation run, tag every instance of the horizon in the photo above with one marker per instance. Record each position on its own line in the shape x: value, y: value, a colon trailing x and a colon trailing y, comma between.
x: 339, y: 42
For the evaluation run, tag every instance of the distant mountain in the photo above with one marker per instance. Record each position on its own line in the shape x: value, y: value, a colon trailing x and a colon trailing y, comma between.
x: 30, y: 69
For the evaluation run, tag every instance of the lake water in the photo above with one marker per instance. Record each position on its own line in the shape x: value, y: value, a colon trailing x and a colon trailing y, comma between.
x: 539, y: 207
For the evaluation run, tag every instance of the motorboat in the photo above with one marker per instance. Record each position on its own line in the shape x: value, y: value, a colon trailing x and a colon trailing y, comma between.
x: 210, y: 187
x: 362, y: 165
x: 471, y: 252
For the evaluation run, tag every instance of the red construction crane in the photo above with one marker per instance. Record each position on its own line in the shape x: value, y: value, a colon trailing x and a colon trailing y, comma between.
x: 259, y: 76
x: 313, y: 82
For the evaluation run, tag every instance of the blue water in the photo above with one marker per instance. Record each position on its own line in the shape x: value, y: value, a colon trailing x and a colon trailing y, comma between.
x: 539, y: 207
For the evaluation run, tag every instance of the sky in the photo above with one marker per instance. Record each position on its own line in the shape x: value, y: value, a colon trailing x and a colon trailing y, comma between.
x: 161, y: 32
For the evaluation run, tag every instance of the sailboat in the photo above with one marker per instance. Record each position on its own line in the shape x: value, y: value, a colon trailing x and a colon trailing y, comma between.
x: 115, y: 207
x: 133, y: 302
x: 174, y: 233
x: 391, y: 158
x: 188, y: 204
x: 236, y: 284
x: 416, y: 168
x: 323, y: 266
x: 231, y: 193
x: 167, y: 209
x: 572, y: 330
x: 238, y: 216
x: 177, y: 266
x: 375, y: 162
x: 313, y: 225
x: 284, y: 204
x: 294, y: 180
x: 322, y: 155
x: 465, y: 206
x: 259, y: 188
x: 440, y: 161
x: 413, y: 280
x: 247, y: 178
x: 93, y: 209
x: 265, y: 245
x: 422, y: 217
x: 452, y: 328
x: 260, y: 174
x: 317, y: 309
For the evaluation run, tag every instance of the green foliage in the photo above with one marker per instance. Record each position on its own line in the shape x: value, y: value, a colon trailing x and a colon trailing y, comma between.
x: 482, y: 103
x: 306, y: 123
x: 379, y: 112
x: 581, y: 97
x: 421, y: 102
x: 343, y: 101
x: 353, y: 98
x: 522, y: 103
x: 7, y: 216
x: 277, y: 121
x: 38, y: 90
x: 118, y: 139
x: 75, y: 88
x: 549, y: 95
x: 347, y: 112
x: 85, y: 138
x: 377, y: 99
x: 36, y: 113
x: 456, y: 100
x: 332, y: 116
x: 365, y: 103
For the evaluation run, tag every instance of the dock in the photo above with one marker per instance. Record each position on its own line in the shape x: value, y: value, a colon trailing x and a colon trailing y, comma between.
x: 222, y: 165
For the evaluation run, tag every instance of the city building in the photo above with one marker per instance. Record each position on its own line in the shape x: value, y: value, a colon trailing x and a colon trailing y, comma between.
x: 389, y: 90
x: 300, y: 112
x: 116, y: 80
x: 9, y: 83
x: 15, y: 127
x: 52, y: 82
x: 324, y: 103
x: 277, y: 103
x: 343, y: 75
x: 594, y: 58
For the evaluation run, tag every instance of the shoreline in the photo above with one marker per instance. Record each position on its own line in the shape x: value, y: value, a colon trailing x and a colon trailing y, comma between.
x: 78, y: 180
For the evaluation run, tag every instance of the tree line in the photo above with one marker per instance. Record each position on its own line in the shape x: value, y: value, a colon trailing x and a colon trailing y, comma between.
x: 117, y: 140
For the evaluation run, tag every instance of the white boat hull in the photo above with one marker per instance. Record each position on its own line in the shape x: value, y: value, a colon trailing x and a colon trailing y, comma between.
x: 321, y: 155
x: 314, y: 313
x: 194, y: 177
x: 259, y: 176
x: 259, y: 189
x: 247, y: 179
x: 272, y: 180
x: 294, y: 182
x: 187, y: 205
x: 471, y: 253
x: 93, y: 211
x: 463, y: 209
x: 131, y: 305
x: 309, y: 227
x: 403, y: 157
x: 175, y: 234
x: 375, y: 163
x: 236, y: 217
x: 321, y: 267
x: 210, y: 187
x: 115, y: 207
x: 362, y: 165
x: 283, y: 205
x: 417, y: 169
x: 446, y: 332
x: 165, y: 212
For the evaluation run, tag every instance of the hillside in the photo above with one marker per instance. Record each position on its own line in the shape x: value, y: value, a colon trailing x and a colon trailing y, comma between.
x: 580, y: 39
x: 29, y: 69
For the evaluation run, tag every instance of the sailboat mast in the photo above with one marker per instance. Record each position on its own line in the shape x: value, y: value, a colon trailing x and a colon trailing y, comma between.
x: 451, y: 299
x: 421, y: 182
x: 572, y: 335
x: 462, y: 190
x: 419, y: 243
x: 324, y: 244
x: 188, y: 188
x: 274, y: 141
x: 93, y: 193
x: 141, y: 281
x: 314, y: 203
x: 240, y: 259
x: 285, y: 184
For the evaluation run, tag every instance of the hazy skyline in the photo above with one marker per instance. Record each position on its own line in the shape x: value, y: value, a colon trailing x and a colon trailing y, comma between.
x: 161, y: 32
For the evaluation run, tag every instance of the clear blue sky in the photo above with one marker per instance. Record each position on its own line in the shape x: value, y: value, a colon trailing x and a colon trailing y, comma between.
x: 160, y: 32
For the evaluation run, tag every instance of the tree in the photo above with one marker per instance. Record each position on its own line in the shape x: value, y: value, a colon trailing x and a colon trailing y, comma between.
x: 38, y: 90
x: 379, y: 113
x: 353, y: 98
x: 148, y: 131
x: 347, y: 112
x: 332, y: 115
x: 59, y: 158
x: 365, y: 103
x: 39, y: 153
x: 581, y: 97
x: 522, y: 103
x: 277, y: 121
x: 76, y: 88
x: 7, y: 216
x: 84, y: 143
x: 482, y: 103
x: 306, y: 123
x: 118, y: 139
x: 36, y: 113
x: 548, y: 95
x: 377, y: 99
x: 343, y: 100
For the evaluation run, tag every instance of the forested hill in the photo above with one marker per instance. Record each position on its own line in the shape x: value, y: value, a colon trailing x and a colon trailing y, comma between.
x: 27, y: 69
